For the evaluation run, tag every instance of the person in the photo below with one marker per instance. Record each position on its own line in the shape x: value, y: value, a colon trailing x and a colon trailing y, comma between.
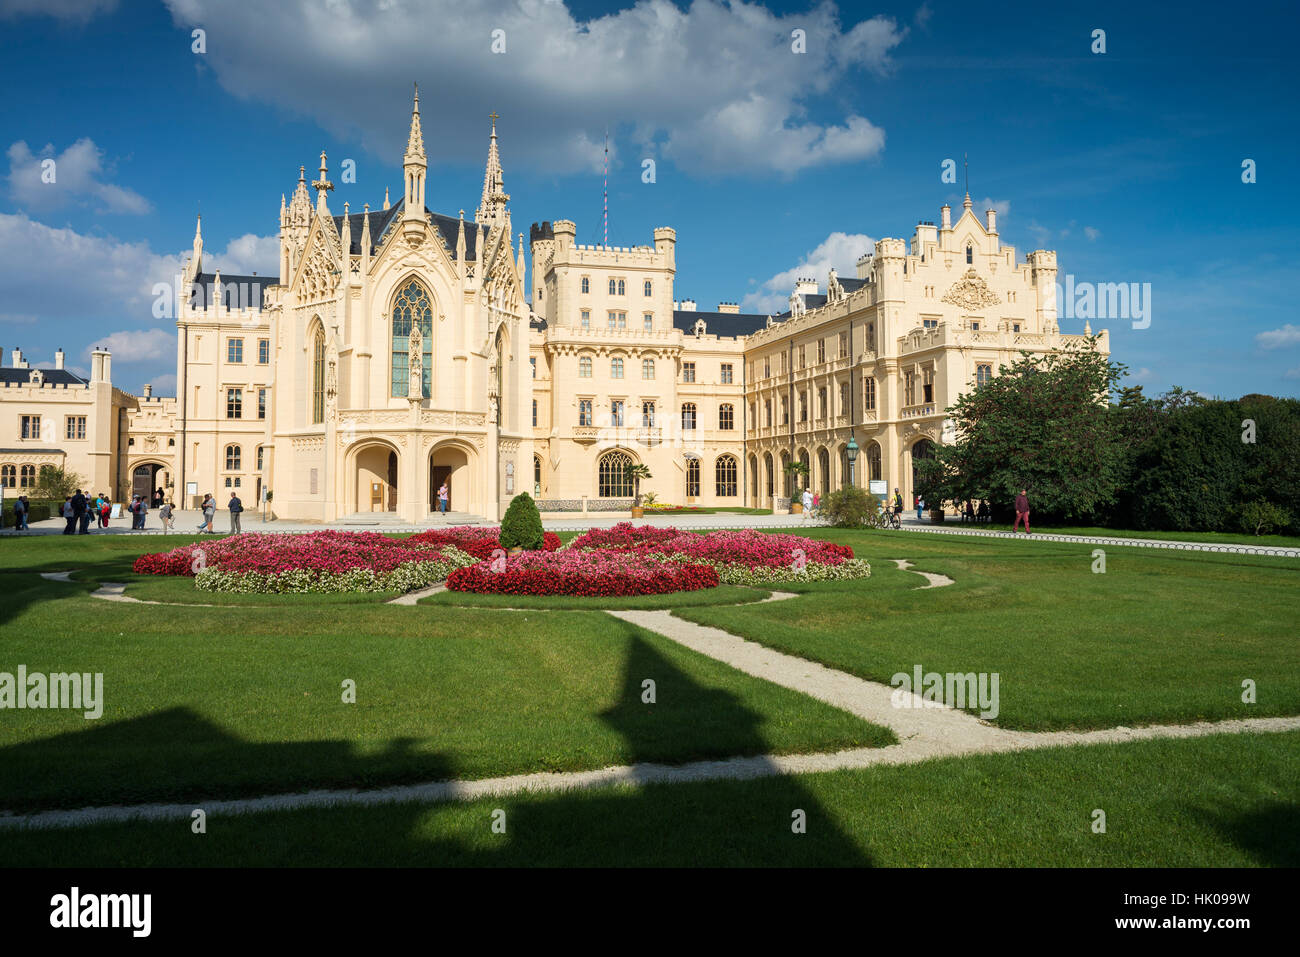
x: 79, y: 503
x: 158, y: 497
x: 920, y: 507
x: 984, y: 510
x: 235, y: 506
x: 1022, y: 512
x: 20, y: 513
x: 105, y: 511
x: 165, y: 516
x: 807, y: 503
x: 69, y: 515
x: 970, y: 511
x: 210, y: 513
x: 898, y: 503
x: 442, y: 498
x: 134, y: 509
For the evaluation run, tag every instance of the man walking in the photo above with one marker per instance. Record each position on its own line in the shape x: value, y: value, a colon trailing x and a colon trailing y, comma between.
x: 1022, y: 512
x: 236, y: 507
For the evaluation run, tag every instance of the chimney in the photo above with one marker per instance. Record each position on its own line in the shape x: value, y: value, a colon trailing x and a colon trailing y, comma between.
x: 686, y: 305
x: 148, y: 390
x: 99, y: 364
x: 945, y: 216
x: 58, y: 359
x: 992, y: 215
x: 19, y: 361
x: 729, y: 307
x: 805, y: 287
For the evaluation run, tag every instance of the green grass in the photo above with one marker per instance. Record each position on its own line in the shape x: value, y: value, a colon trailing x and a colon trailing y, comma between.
x: 236, y: 701
x: 722, y: 595
x: 1223, y: 801
x: 1226, y: 538
x: 1160, y: 637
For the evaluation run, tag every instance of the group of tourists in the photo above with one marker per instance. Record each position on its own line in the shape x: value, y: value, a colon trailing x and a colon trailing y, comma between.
x: 209, y: 511
x: 80, y: 509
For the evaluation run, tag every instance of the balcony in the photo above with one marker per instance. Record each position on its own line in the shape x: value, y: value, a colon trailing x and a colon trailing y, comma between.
x: 916, y: 411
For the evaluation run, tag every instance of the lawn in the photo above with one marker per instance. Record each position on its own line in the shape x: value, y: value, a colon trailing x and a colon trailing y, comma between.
x: 1158, y: 637
x: 722, y: 595
x: 1212, y: 538
x: 1222, y: 801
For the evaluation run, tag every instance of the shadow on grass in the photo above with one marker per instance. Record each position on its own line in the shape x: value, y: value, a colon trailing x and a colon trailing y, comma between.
x: 1270, y: 835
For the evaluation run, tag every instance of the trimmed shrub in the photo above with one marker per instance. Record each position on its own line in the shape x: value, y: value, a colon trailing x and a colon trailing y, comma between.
x: 1261, y: 518
x: 850, y: 507
x: 522, y: 526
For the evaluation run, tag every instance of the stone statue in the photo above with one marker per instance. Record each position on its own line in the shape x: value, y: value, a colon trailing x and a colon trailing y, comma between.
x: 415, y: 363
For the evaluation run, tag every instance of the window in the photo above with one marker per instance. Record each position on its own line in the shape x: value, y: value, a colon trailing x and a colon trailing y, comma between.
x: 647, y: 368
x: 783, y: 362
x: 234, y: 350
x: 237, y: 481
x: 261, y: 457
x: 534, y: 413
x: 927, y: 386
x: 585, y: 284
x: 869, y: 393
x: 318, y: 377
x: 27, y: 476
x: 616, y: 413
x: 537, y: 476
x: 616, y: 368
x: 802, y: 357
x: 767, y: 367
x: 871, y: 337
x: 614, y: 481
x: 618, y: 320
x: 821, y: 403
x: 844, y: 344
x: 692, y: 477
x: 767, y: 409
x: 584, y: 367
x: 586, y: 319
x: 263, y: 351
x: 785, y: 412
x: 648, y: 289
x: 983, y: 373
x: 31, y: 426
x: 974, y: 327
x: 844, y: 398
x: 688, y: 371
x: 821, y: 350
x: 726, y: 417
x: 970, y: 254
x: 648, y: 322
x: 261, y: 403
x: 873, y: 461
x: 233, y: 456
x: 532, y: 365
x: 647, y: 415
x: 909, y: 388
x: 726, y: 373
x: 613, y: 286
x: 227, y: 481
x: 930, y: 323
x: 584, y: 412
x: 8, y: 476
x: 803, y: 406
x: 688, y: 417
x: 235, y: 404
x: 412, y: 307
x: 1015, y: 327
x: 75, y: 427
x: 622, y: 287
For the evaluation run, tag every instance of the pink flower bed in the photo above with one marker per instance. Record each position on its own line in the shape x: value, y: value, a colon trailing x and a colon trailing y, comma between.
x: 624, y: 536
x: 743, y: 546
x: 586, y: 573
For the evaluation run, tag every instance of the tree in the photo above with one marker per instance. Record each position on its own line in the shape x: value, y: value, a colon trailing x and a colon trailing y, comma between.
x: 1043, y: 424
x: 56, y: 483
x: 522, y: 525
x: 850, y: 507
x: 636, y: 472
x: 799, y: 472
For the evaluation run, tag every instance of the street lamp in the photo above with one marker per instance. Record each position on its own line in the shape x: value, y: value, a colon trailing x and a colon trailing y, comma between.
x: 851, y: 451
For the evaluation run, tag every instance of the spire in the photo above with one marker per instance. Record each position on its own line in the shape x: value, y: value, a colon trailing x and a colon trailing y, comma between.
x: 415, y: 139
x: 414, y: 166
x: 198, y: 239
x: 460, y: 239
x: 300, y: 205
x: 491, y: 208
x: 386, y: 203
x: 322, y: 185
x: 345, y: 232
x: 365, y: 230
x: 966, y: 204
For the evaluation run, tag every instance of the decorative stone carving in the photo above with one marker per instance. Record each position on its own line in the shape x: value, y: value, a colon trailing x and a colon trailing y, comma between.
x: 971, y: 292
x: 415, y: 363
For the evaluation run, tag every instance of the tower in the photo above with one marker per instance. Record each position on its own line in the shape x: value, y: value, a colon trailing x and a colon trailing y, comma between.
x: 492, y: 207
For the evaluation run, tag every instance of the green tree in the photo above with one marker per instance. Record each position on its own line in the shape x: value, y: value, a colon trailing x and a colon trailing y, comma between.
x: 54, y: 482
x: 850, y: 507
x: 522, y: 525
x: 636, y: 472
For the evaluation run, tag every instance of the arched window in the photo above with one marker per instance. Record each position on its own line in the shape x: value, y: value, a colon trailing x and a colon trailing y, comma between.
x: 688, y: 417
x: 586, y: 284
x: 824, y: 467
x: 317, y: 377
x: 411, y: 306
x: 725, y: 475
x: 537, y: 476
x: 613, y: 287
x: 648, y: 287
x: 261, y: 457
x: 767, y: 462
x: 785, y: 475
x: 692, y: 477
x: 873, y: 461
x: 233, y: 456
x: 726, y: 417
x: 970, y: 254
x: 27, y: 476
x: 613, y: 478
x: 8, y: 476
x: 622, y: 287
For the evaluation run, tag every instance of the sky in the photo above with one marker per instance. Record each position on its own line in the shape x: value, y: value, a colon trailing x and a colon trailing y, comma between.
x: 783, y: 139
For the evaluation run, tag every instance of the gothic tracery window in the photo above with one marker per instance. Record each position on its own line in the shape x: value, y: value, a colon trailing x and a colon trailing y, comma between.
x: 412, y: 305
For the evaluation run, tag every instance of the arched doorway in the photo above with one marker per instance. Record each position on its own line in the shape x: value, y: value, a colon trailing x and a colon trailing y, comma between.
x: 376, y: 477
x: 449, y: 465
x: 146, y: 479
x: 922, y: 450
x: 771, y: 484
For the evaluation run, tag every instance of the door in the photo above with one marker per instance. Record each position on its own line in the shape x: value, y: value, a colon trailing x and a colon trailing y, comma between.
x: 439, y: 474
x: 391, y: 491
x: 142, y: 481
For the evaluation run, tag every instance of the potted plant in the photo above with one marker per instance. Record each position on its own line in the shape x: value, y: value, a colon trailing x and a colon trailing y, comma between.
x: 799, y: 472
x: 522, y: 525
x: 636, y: 472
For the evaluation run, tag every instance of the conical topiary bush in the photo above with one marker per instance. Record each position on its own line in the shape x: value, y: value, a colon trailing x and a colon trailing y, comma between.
x: 522, y: 526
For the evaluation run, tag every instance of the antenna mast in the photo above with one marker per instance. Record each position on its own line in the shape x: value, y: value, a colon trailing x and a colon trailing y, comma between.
x: 606, y: 187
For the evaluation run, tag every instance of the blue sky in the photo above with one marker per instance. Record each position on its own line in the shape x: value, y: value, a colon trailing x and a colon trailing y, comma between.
x: 769, y: 163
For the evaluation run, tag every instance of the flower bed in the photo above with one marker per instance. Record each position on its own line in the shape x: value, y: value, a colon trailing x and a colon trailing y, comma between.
x: 623, y: 537
x: 479, y: 542
x: 407, y: 576
x: 593, y: 573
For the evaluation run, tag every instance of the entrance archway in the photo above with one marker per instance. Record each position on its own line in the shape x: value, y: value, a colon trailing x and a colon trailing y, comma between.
x: 147, y: 478
x: 449, y: 465
x: 376, y: 471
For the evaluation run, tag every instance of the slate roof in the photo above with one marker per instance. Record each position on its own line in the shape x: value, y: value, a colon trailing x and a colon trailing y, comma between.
x: 719, y: 323
x: 381, y: 219
x: 13, y: 376
x: 235, y: 290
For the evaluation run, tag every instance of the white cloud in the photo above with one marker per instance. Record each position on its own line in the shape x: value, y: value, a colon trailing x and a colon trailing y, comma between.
x: 79, y: 11
x: 841, y: 250
x: 716, y: 87
x: 164, y: 384
x: 245, y: 255
x: 1292, y: 373
x: 1288, y: 335
x: 75, y: 174
x: 136, y: 345
x: 1143, y: 373
x: 1000, y: 206
x: 1092, y: 233
x: 923, y: 15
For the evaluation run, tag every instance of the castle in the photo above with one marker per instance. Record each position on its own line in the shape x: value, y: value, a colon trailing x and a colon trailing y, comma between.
x: 398, y: 351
